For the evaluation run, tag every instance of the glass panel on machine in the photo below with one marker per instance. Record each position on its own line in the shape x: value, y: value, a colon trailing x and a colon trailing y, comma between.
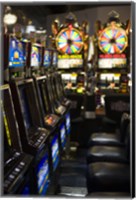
x: 55, y: 151
x: 25, y: 108
x: 35, y: 56
x: 63, y: 135
x: 43, y: 174
x: 47, y: 58
x: 17, y: 53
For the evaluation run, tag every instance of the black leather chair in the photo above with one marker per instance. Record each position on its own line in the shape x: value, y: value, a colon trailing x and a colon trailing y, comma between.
x: 100, y: 153
x: 108, y: 177
x: 116, y: 105
x: 103, y: 176
x: 109, y: 195
x: 110, y: 139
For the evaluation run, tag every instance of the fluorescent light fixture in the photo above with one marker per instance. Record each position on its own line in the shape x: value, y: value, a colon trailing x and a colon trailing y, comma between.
x: 30, y: 28
x: 10, y: 19
x: 40, y: 31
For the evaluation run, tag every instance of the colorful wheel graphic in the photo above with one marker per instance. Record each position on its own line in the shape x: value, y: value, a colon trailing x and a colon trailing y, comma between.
x: 113, y: 40
x: 69, y: 41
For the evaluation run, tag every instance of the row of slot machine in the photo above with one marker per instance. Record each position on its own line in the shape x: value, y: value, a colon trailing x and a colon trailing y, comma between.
x: 104, y: 57
x: 36, y: 118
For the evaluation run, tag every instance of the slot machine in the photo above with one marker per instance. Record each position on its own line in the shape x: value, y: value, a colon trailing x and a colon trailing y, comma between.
x: 113, y: 54
x: 71, y: 41
x: 56, y: 81
x: 55, y: 123
x: 58, y: 107
x: 45, y: 97
x: 62, y: 103
x: 49, y: 118
x: 33, y: 137
x: 17, y: 166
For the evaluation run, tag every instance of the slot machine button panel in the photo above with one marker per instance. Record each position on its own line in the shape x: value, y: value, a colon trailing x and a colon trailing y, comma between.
x: 11, y: 177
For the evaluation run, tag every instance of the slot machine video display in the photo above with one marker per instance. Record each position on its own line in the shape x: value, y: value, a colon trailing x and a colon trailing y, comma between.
x: 62, y: 135
x: 35, y: 55
x: 47, y: 58
x: 17, y: 53
x: 55, y: 151
x: 25, y: 108
x: 43, y: 174
x: 68, y: 123
x: 54, y: 58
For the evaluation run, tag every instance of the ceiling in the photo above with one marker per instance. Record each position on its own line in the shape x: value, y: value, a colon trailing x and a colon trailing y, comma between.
x: 38, y: 13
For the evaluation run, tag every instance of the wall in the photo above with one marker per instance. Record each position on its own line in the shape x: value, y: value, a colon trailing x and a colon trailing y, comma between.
x: 91, y: 15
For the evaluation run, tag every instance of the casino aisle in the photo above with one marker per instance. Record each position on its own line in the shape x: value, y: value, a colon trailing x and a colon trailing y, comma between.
x: 67, y: 122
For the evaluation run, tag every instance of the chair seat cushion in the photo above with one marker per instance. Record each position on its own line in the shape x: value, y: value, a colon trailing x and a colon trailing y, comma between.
x: 102, y: 138
x: 109, y: 194
x: 106, y: 154
x: 108, y: 176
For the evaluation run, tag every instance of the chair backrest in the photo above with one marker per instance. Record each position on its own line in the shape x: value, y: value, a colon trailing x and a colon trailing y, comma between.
x: 125, y: 120
x: 77, y: 102
x: 116, y: 105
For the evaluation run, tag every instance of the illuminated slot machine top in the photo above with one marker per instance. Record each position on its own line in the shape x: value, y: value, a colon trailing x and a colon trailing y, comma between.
x: 16, y: 56
x: 36, y: 58
x: 113, y: 51
x: 71, y: 43
x: 47, y: 58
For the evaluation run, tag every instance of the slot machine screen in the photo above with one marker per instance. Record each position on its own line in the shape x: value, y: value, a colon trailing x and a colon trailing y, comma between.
x: 70, y: 61
x: 110, y: 61
x: 7, y: 146
x: 63, y: 135
x: 55, y: 151
x: 55, y: 59
x: 25, y: 108
x: 17, y: 53
x: 68, y: 123
x: 35, y: 56
x: 43, y: 96
x: 47, y: 58
x: 43, y: 174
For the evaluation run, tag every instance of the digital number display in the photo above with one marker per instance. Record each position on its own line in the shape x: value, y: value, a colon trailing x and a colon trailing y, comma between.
x: 70, y: 61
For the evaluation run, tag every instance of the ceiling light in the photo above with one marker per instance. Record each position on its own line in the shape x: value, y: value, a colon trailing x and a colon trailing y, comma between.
x: 10, y: 19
